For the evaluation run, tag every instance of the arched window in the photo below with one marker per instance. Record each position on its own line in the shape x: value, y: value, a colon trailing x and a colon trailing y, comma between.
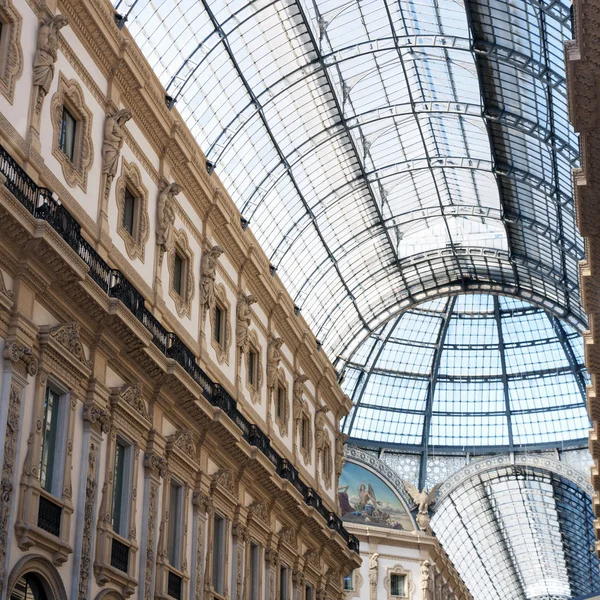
x: 29, y: 587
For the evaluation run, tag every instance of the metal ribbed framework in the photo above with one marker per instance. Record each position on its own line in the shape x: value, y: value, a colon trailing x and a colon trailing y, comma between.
x: 394, y: 158
x: 469, y: 373
x: 384, y: 152
x: 520, y: 532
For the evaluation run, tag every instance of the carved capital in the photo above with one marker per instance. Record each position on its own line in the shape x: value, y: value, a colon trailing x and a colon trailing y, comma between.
x: 93, y: 414
x: 203, y: 503
x: 16, y: 352
x: 155, y: 464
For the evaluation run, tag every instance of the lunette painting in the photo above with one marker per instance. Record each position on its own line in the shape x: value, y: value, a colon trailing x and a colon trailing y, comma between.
x: 365, y: 498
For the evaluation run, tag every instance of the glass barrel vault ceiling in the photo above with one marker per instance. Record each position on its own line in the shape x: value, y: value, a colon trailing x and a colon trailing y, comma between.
x: 469, y: 372
x: 384, y: 151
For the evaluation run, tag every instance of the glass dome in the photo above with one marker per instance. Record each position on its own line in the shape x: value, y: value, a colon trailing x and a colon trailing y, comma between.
x: 467, y: 373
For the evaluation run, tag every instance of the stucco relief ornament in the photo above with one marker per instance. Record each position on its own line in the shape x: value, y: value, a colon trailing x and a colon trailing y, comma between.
x: 299, y: 401
x: 274, y: 356
x: 46, y: 55
x: 165, y: 218
x: 112, y: 145
x: 423, y: 499
x: 243, y: 321
x: 208, y: 274
x: 320, y: 413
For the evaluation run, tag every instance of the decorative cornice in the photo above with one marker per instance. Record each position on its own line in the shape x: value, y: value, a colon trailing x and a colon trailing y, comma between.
x: 132, y: 395
x: 183, y: 440
x: 68, y: 336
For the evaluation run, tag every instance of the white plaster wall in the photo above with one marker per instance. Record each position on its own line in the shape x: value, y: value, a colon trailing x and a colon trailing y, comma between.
x: 17, y: 112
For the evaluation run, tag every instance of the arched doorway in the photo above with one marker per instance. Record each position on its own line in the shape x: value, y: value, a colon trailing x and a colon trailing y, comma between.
x: 34, y: 577
x: 29, y: 587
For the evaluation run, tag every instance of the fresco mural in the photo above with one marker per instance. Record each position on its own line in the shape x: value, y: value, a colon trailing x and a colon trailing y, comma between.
x: 365, y: 498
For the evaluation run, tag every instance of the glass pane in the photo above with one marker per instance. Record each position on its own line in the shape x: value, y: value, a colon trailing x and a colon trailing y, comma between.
x: 174, y: 533
x: 129, y: 212
x: 119, y: 511
x: 178, y: 273
x: 49, y: 428
x: 67, y: 134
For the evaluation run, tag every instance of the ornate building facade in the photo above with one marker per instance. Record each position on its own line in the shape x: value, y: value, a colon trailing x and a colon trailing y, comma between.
x: 169, y: 427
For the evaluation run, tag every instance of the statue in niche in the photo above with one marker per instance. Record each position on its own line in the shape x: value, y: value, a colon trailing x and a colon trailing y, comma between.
x: 208, y: 273
x: 274, y: 356
x: 320, y: 413
x: 166, y: 217
x: 299, y: 401
x: 46, y: 54
x: 112, y: 145
x: 423, y: 499
x: 244, y: 319
x: 426, y: 580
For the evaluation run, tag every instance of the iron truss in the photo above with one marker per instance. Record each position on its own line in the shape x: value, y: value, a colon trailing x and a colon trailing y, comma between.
x: 345, y: 147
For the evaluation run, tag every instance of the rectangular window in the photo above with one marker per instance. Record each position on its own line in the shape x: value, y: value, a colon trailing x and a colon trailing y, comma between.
x: 397, y: 583
x: 218, y: 567
x: 283, y: 583
x: 349, y: 581
x: 280, y: 402
x: 254, y: 571
x: 178, y: 274
x: 175, y: 532
x: 304, y: 433
x: 129, y: 206
x: 217, y: 333
x: 68, y: 127
x: 252, y: 367
x: 121, y: 488
x: 308, y: 593
x: 48, y: 466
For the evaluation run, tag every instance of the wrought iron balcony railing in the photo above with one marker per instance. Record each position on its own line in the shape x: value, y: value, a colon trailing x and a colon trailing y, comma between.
x: 42, y: 204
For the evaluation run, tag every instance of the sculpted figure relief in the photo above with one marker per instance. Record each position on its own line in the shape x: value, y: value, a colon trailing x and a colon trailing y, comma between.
x: 46, y: 55
x: 340, y: 459
x: 423, y: 499
x: 426, y: 580
x: 373, y: 568
x: 208, y: 273
x: 320, y: 413
x: 113, y: 142
x: 298, y: 397
x: 166, y: 217
x: 274, y: 356
x: 244, y: 318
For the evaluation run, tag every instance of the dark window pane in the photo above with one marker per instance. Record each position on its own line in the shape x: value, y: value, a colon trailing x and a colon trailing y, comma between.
x: 279, y: 408
x: 218, y: 324
x: 118, y: 518
x: 252, y: 367
x: 67, y: 134
x: 397, y: 585
x: 129, y: 212
x: 174, y: 532
x: 178, y: 274
x: 49, y: 427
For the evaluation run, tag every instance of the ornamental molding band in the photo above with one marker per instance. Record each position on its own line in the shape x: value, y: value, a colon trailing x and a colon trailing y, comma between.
x: 135, y: 243
x: 46, y: 55
x: 68, y: 336
x: 70, y: 95
x: 364, y: 459
x: 132, y: 395
x: 8, y: 472
x: 183, y: 302
x: 36, y: 563
x: 11, y: 53
x: 88, y: 522
x: 208, y: 276
x: 114, y: 133
x: 150, y: 561
x: 495, y: 462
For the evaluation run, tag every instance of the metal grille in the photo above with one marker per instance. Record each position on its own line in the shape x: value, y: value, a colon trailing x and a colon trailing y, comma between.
x: 174, y: 585
x: 49, y: 516
x: 119, y: 556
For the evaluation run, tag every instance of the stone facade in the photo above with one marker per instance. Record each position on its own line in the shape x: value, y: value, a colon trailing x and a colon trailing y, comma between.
x: 167, y: 475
